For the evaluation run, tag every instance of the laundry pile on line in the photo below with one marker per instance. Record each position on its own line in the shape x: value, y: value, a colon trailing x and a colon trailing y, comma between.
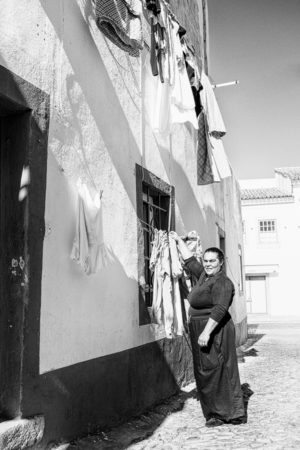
x: 167, y: 266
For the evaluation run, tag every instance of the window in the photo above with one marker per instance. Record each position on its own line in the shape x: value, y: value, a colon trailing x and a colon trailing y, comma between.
x: 267, y: 230
x: 267, y: 226
x: 155, y: 209
x: 155, y: 215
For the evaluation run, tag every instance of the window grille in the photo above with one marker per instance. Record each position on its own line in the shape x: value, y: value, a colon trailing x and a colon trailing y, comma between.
x: 155, y: 215
x: 267, y: 226
x: 155, y: 209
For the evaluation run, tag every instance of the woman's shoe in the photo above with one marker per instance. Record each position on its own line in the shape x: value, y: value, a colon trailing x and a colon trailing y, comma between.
x: 247, y: 392
x: 238, y: 420
x: 214, y: 422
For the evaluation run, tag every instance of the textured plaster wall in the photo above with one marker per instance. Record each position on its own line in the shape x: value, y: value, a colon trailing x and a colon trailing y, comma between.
x: 97, y: 133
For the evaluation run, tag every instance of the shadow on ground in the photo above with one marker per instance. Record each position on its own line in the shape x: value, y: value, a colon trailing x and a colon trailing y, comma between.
x: 247, y: 349
x: 142, y: 427
x: 136, y: 430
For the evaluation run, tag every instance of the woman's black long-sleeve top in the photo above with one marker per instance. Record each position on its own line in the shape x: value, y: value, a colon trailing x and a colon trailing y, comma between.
x: 214, y: 293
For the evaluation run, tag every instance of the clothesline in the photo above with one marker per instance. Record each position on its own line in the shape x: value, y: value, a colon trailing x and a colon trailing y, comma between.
x: 125, y: 70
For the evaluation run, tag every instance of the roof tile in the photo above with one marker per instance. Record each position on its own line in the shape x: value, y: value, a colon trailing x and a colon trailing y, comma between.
x: 263, y: 193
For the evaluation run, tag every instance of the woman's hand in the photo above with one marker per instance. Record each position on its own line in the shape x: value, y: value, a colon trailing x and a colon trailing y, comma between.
x: 185, y: 252
x: 174, y: 235
x: 203, y: 339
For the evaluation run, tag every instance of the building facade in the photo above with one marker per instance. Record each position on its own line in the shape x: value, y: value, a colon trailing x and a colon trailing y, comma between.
x: 83, y: 352
x: 271, y: 219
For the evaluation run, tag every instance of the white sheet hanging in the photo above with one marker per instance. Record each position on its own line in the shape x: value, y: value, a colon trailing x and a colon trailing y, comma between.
x: 216, y: 129
x: 88, y: 247
x: 170, y: 102
x: 220, y: 157
x: 211, y: 108
x: 177, y: 270
x: 182, y: 108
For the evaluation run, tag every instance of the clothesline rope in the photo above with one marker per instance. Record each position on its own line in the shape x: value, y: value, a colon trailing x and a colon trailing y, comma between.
x: 126, y: 70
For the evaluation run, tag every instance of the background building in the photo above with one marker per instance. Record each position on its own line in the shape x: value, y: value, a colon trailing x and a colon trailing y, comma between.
x: 80, y: 351
x: 271, y: 222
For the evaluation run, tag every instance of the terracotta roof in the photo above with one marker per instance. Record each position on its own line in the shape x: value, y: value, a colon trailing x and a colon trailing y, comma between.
x: 290, y: 172
x: 263, y: 193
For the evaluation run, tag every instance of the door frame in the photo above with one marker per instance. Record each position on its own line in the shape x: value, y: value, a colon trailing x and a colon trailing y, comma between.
x: 266, y: 276
x: 18, y: 96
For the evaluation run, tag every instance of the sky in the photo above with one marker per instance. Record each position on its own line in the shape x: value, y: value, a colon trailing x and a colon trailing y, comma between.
x: 258, y: 43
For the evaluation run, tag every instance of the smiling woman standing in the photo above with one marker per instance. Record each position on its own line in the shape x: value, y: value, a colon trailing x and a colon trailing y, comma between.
x: 212, y: 336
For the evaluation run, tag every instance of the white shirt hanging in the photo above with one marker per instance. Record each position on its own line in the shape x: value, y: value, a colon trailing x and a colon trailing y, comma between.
x: 88, y: 247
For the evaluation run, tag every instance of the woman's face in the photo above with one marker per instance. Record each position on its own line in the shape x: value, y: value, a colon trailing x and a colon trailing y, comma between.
x: 211, y: 263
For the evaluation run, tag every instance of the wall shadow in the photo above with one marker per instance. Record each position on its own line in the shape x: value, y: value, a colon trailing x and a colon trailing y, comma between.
x: 82, y: 397
x: 137, y: 429
x: 91, y: 394
x: 121, y: 146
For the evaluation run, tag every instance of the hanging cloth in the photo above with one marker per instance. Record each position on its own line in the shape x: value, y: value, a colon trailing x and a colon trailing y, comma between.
x: 162, y: 60
x: 154, y: 6
x: 215, y: 122
x: 156, y: 100
x: 215, y: 130
x: 219, y: 157
x: 88, y: 247
x: 167, y: 300
x: 120, y: 21
x: 157, y: 282
x: 182, y: 101
x: 204, y: 167
x: 176, y: 270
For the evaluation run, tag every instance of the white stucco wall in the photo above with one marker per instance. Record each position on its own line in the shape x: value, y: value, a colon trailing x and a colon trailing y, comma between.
x: 96, y: 133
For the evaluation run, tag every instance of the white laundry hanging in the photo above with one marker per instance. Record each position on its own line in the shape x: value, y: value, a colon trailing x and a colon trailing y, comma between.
x: 170, y: 102
x: 220, y: 157
x: 182, y: 108
x: 166, y: 267
x: 216, y: 130
x: 176, y: 270
x: 88, y: 248
x: 214, y: 118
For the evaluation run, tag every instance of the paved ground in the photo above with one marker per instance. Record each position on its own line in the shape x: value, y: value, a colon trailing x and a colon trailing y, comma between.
x: 271, y: 366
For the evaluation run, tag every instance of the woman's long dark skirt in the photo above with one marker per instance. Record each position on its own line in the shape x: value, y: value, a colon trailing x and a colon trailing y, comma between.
x: 216, y: 370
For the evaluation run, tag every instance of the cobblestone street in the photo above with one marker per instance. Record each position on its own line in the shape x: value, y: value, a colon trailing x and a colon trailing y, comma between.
x: 271, y: 366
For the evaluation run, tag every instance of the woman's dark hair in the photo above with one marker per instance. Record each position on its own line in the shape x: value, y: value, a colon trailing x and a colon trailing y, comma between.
x: 217, y: 251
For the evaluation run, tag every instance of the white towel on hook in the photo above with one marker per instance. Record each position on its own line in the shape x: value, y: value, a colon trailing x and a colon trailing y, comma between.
x: 88, y: 248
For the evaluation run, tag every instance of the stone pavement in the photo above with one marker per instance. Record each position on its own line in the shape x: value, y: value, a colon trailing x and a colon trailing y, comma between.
x: 270, y: 363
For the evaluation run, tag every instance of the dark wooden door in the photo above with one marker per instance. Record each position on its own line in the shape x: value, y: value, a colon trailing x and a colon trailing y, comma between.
x: 14, y: 132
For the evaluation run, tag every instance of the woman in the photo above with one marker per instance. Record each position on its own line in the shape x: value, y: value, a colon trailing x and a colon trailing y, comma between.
x: 212, y: 336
